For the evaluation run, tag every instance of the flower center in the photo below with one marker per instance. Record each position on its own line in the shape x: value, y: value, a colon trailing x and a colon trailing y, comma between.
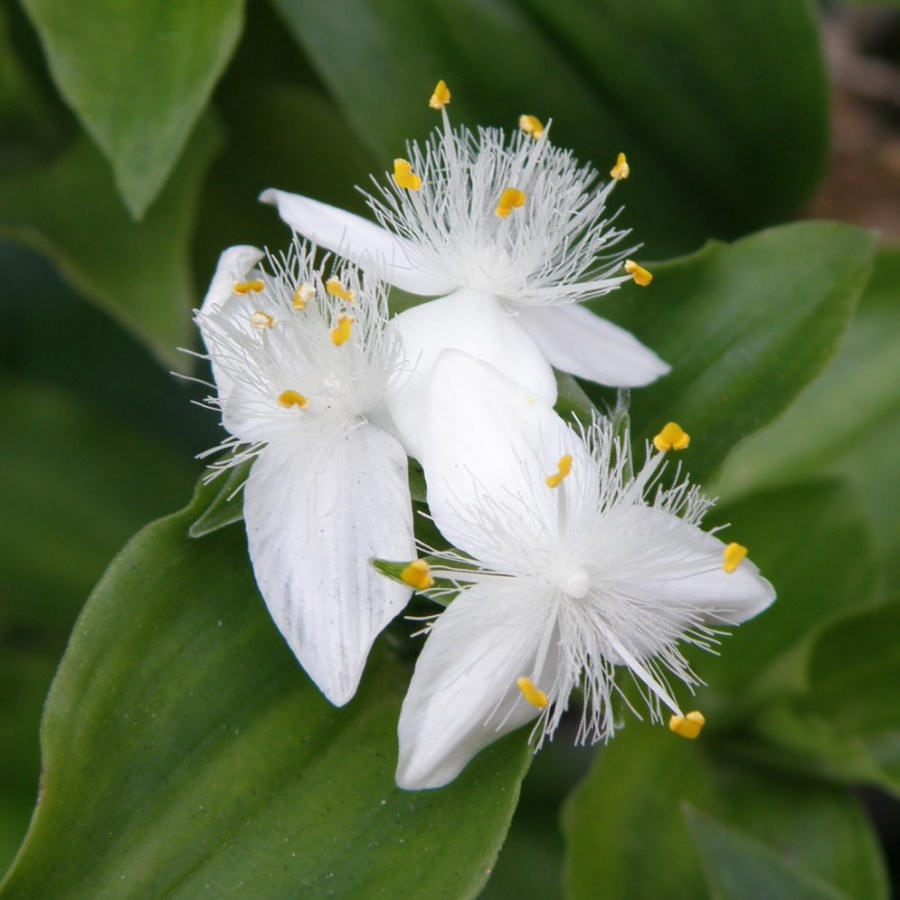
x: 573, y: 581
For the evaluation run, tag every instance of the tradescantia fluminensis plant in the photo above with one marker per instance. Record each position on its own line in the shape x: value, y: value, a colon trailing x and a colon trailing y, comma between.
x: 430, y: 476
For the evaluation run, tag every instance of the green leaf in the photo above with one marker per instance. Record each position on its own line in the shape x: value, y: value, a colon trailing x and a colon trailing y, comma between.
x: 745, y: 327
x: 844, y: 421
x: 572, y: 403
x: 138, y: 75
x: 739, y: 867
x: 846, y: 727
x: 75, y: 484
x: 628, y: 811
x: 138, y: 273
x: 803, y: 538
x: 27, y: 125
x: 226, y: 504
x: 854, y: 669
x: 699, y: 133
x: 530, y: 864
x: 185, y: 752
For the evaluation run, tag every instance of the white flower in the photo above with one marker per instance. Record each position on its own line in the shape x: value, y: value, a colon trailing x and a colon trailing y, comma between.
x: 301, y: 365
x: 579, y: 568
x: 511, y: 233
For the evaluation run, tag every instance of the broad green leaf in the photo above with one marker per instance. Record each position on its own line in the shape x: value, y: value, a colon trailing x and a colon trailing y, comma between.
x: 75, y: 484
x: 701, y: 132
x: 531, y: 861
x: 787, y: 738
x: 27, y: 125
x: 846, y: 727
x: 845, y: 421
x: 854, y: 672
x: 628, y: 811
x: 185, y: 752
x: 138, y: 74
x: 739, y: 867
x: 139, y: 273
x: 811, y: 541
x: 745, y: 327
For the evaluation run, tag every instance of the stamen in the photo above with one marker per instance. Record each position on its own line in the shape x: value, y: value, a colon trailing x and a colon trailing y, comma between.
x: 262, y: 321
x: 405, y: 177
x: 510, y: 199
x: 565, y: 466
x: 304, y: 293
x: 441, y: 96
x: 341, y: 333
x: 336, y: 289
x: 531, y: 125
x: 734, y: 555
x: 639, y: 274
x: 532, y: 694
x: 672, y: 437
x: 292, y: 398
x: 688, y: 726
x: 621, y: 170
x: 248, y: 287
x: 418, y: 575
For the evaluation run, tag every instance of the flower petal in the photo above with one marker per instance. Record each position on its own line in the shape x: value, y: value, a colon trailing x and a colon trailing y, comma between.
x: 577, y: 341
x: 375, y: 249
x: 489, y: 446
x: 463, y: 694
x: 317, y: 511
x: 471, y: 322
x: 233, y: 266
x: 651, y: 553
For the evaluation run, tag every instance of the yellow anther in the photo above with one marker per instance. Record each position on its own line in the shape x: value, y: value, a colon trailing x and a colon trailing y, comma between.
x: 340, y: 334
x: 440, y: 96
x: 639, y: 274
x: 556, y: 479
x: 621, y: 170
x: 291, y: 398
x: 531, y: 125
x: 532, y: 694
x: 336, y: 289
x: 418, y: 575
x: 405, y: 177
x: 510, y: 199
x: 304, y: 293
x: 250, y: 287
x: 672, y: 437
x: 688, y: 726
x: 262, y: 321
x: 734, y: 555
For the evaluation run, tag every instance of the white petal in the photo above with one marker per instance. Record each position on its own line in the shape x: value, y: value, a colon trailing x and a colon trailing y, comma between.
x: 463, y: 693
x: 489, y: 446
x: 655, y: 554
x: 385, y: 255
x: 316, y: 513
x: 471, y: 322
x: 234, y: 265
x: 577, y: 341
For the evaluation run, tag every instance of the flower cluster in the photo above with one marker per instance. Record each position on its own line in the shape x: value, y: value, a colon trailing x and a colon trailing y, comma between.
x: 568, y: 566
